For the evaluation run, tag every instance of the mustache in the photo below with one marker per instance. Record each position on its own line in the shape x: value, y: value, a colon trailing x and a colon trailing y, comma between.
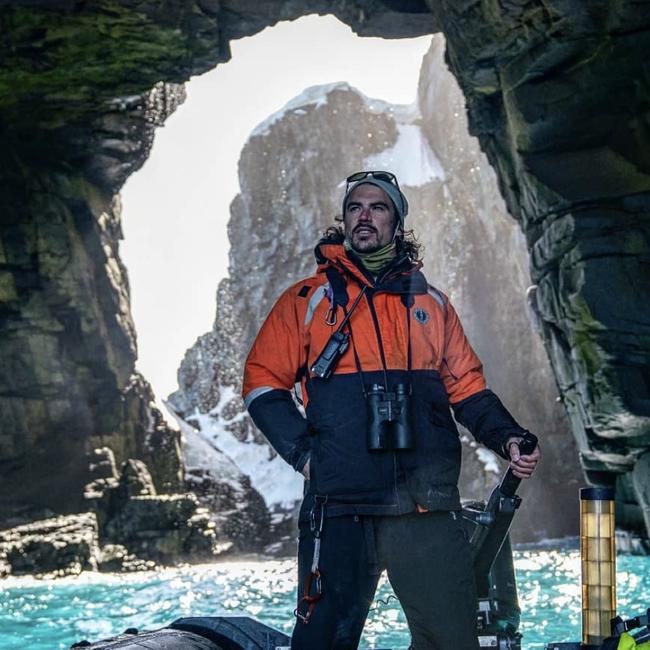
x: 366, y: 226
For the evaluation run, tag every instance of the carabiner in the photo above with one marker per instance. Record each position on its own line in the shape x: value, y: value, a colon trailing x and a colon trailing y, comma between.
x: 320, y: 502
x: 308, y: 599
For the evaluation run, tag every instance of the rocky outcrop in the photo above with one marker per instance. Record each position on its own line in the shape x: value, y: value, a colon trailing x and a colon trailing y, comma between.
x: 556, y: 93
x: 473, y: 251
x: 67, y: 380
x: 559, y: 105
x: 65, y: 545
x: 220, y: 467
x: 67, y: 341
x: 158, y: 528
x: 130, y: 528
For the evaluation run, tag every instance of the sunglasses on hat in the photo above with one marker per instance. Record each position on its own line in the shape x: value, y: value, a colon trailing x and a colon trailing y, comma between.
x: 387, y: 177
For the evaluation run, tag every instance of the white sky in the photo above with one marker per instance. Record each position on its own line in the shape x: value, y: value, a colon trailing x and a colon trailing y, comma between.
x: 175, y: 209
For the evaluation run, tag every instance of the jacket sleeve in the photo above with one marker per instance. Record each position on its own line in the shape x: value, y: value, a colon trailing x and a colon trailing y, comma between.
x: 475, y: 406
x: 270, y: 372
x: 489, y: 421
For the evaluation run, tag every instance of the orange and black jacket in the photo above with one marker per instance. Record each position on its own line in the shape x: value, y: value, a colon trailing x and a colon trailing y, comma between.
x: 402, y: 331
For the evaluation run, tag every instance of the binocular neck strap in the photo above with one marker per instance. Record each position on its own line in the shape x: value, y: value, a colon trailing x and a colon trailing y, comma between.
x: 357, y: 361
x: 409, y: 351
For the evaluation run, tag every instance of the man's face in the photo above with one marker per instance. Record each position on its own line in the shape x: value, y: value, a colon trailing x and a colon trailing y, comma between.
x: 369, y: 219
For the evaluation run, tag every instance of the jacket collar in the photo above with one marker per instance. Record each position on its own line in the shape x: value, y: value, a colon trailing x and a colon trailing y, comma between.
x: 402, y: 277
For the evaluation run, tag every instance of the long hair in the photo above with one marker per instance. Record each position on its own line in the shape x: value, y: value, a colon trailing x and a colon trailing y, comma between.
x: 406, y: 243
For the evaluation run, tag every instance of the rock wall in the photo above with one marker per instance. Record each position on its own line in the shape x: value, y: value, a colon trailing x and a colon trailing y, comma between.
x: 558, y: 97
x: 485, y: 265
x: 68, y: 344
x: 473, y: 251
x: 130, y: 528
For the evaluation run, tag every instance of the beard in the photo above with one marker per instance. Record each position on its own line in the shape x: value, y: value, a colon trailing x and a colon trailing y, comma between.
x: 366, y: 241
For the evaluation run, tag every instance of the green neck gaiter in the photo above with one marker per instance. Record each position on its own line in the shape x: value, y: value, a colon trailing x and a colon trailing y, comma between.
x: 376, y: 260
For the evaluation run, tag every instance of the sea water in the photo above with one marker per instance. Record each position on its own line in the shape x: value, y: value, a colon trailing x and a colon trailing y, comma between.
x: 53, y: 614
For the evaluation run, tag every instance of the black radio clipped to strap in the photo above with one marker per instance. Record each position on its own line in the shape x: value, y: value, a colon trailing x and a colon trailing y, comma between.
x: 336, y: 345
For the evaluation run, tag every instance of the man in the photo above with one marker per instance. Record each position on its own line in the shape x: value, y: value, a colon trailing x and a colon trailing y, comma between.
x: 380, y: 356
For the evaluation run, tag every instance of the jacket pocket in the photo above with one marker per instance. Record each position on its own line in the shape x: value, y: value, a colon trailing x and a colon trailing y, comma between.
x: 344, y: 466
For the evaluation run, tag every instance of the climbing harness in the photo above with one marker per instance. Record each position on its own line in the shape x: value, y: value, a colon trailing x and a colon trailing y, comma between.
x: 313, y: 589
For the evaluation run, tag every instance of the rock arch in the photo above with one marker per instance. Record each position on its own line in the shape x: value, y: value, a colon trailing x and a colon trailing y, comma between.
x: 557, y: 94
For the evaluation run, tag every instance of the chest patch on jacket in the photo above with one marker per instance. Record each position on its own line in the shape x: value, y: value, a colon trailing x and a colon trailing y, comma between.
x: 421, y: 316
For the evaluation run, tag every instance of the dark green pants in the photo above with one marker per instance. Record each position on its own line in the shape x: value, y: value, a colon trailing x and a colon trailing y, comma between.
x: 427, y: 558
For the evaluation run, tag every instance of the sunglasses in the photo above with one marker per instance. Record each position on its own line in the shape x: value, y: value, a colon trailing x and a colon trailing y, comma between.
x: 378, y: 175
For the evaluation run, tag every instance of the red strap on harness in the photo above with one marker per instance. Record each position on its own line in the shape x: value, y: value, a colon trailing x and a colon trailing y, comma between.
x: 313, y: 580
x: 309, y: 600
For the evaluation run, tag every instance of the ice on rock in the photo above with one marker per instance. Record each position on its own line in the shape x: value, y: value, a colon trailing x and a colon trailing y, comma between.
x: 314, y: 95
x: 275, y: 481
x: 410, y: 158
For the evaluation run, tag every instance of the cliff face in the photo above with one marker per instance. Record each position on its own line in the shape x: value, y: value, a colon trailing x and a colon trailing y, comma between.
x: 475, y: 248
x: 558, y: 102
x: 68, y: 345
x: 556, y: 93
x: 290, y: 177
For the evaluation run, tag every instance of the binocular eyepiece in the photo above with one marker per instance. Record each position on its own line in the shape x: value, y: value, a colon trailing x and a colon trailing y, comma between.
x: 389, y: 418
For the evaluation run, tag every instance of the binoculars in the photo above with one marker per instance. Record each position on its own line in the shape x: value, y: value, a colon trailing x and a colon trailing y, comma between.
x: 389, y: 418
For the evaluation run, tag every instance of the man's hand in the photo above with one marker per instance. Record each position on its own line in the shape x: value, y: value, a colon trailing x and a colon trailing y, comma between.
x: 305, y: 470
x: 522, y: 466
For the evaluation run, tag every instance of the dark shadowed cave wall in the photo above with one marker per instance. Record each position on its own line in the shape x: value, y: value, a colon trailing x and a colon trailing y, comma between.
x: 557, y: 93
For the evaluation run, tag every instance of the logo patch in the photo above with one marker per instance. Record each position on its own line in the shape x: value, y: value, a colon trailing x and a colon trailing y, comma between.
x: 421, y: 316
